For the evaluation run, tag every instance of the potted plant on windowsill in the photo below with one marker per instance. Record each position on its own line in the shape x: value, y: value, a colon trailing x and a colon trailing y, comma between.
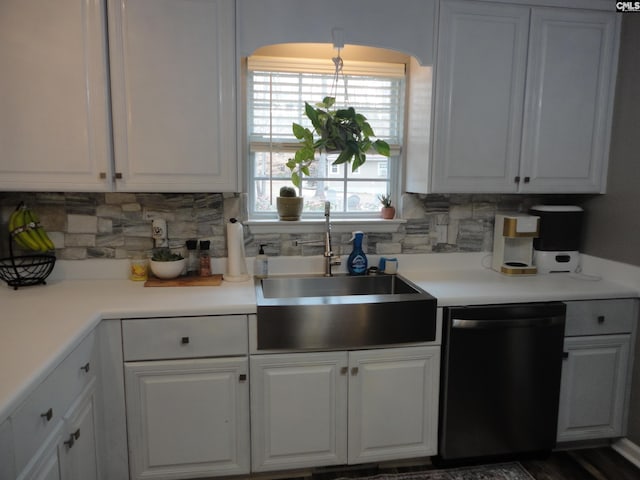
x: 289, y: 205
x: 342, y: 131
x: 388, y: 211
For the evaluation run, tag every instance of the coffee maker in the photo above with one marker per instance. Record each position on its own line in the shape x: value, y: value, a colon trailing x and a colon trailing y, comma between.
x: 557, y: 247
x: 513, y: 238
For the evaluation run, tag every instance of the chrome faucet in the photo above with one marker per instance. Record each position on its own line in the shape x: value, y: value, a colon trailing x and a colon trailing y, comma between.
x: 329, y: 258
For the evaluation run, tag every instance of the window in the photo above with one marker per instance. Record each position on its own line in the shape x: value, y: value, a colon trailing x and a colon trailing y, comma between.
x: 277, y: 91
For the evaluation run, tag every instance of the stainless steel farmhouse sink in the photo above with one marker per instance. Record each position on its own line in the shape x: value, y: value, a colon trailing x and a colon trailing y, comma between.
x: 318, y: 312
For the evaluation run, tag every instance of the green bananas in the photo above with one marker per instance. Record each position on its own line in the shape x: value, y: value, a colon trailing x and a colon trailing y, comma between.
x: 25, y: 228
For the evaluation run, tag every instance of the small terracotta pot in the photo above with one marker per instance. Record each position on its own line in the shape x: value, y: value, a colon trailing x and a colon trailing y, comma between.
x: 289, y: 208
x: 388, y: 212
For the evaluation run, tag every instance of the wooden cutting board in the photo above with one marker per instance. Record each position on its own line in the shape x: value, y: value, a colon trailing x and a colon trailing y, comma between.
x: 195, y: 281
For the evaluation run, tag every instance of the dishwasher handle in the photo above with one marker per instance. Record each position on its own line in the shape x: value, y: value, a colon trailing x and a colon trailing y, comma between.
x: 506, y: 323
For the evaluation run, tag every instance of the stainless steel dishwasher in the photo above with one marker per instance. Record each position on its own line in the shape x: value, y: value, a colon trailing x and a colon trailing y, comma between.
x: 500, y: 382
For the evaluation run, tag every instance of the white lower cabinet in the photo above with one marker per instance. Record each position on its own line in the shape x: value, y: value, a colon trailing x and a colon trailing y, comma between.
x: 70, y: 452
x: 46, y: 464
x: 594, y: 392
x: 54, y: 430
x: 594, y: 378
x: 393, y: 403
x: 80, y: 453
x: 186, y: 417
x: 7, y: 467
x: 328, y: 408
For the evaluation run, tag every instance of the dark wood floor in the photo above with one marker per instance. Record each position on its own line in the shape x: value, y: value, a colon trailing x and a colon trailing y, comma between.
x: 586, y: 464
x: 602, y: 463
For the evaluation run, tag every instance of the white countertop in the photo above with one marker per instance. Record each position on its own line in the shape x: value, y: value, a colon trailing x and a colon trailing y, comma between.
x: 476, y: 287
x: 40, y: 325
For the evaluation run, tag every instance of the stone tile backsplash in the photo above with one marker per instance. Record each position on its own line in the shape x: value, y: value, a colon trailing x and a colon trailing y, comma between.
x: 113, y: 225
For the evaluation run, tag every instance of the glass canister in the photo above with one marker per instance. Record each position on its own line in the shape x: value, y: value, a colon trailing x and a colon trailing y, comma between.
x: 138, y: 267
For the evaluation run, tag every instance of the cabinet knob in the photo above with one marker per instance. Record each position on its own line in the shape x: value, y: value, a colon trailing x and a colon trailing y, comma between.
x: 48, y: 415
x: 102, y: 175
x: 517, y: 179
x: 85, y: 367
x: 600, y: 318
x: 76, y: 434
x: 184, y: 340
x: 527, y: 179
x: 565, y: 355
x: 118, y: 176
x: 354, y: 370
x: 242, y: 377
x: 344, y: 370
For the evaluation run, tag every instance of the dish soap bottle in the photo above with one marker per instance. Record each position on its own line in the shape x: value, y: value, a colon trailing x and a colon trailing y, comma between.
x: 261, y: 266
x: 357, y: 262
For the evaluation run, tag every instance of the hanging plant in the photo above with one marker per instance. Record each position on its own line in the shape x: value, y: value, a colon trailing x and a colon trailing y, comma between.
x: 334, y: 130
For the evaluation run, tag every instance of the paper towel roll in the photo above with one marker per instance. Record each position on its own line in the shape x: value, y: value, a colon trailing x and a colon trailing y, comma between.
x: 236, y: 262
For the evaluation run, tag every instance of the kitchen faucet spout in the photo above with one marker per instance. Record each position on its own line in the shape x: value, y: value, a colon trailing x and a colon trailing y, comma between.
x: 329, y: 258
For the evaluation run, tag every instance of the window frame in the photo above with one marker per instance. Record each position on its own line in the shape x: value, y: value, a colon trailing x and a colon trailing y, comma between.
x: 279, y: 145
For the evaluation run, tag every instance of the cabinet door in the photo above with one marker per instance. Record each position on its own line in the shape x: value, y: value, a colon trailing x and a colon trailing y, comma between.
x: 46, y: 465
x: 7, y: 467
x: 187, y: 418
x: 54, y: 128
x: 79, y: 445
x: 592, y: 393
x: 298, y: 410
x: 173, y: 90
x: 569, y: 98
x: 393, y: 403
x: 479, y: 89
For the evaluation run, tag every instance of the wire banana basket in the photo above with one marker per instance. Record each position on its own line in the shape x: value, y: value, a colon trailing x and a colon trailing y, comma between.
x: 26, y: 270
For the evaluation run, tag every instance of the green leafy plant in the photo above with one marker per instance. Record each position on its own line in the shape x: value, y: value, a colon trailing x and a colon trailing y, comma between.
x: 385, y: 200
x: 334, y: 130
x: 165, y: 255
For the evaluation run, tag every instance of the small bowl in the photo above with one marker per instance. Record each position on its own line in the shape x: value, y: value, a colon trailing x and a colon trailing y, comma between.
x: 167, y: 270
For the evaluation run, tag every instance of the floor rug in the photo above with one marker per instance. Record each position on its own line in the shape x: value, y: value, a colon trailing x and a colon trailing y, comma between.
x: 498, y: 471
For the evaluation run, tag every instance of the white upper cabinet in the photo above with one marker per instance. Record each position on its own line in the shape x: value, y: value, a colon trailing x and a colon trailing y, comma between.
x: 173, y: 95
x: 523, y: 99
x: 480, y: 77
x: 54, y: 129
x: 568, y: 103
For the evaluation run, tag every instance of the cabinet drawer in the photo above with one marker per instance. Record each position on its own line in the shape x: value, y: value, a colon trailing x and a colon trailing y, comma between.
x: 184, y: 337
x: 38, y: 416
x: 600, y: 317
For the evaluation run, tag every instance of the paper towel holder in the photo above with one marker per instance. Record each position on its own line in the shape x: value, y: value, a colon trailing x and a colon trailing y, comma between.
x: 236, y: 262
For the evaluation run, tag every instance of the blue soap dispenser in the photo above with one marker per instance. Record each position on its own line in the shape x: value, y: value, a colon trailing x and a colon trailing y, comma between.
x: 357, y: 262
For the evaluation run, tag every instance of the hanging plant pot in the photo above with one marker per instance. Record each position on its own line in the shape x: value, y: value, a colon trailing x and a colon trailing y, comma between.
x: 342, y: 131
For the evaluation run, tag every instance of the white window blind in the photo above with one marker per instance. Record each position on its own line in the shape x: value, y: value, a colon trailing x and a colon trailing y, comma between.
x: 277, y: 91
